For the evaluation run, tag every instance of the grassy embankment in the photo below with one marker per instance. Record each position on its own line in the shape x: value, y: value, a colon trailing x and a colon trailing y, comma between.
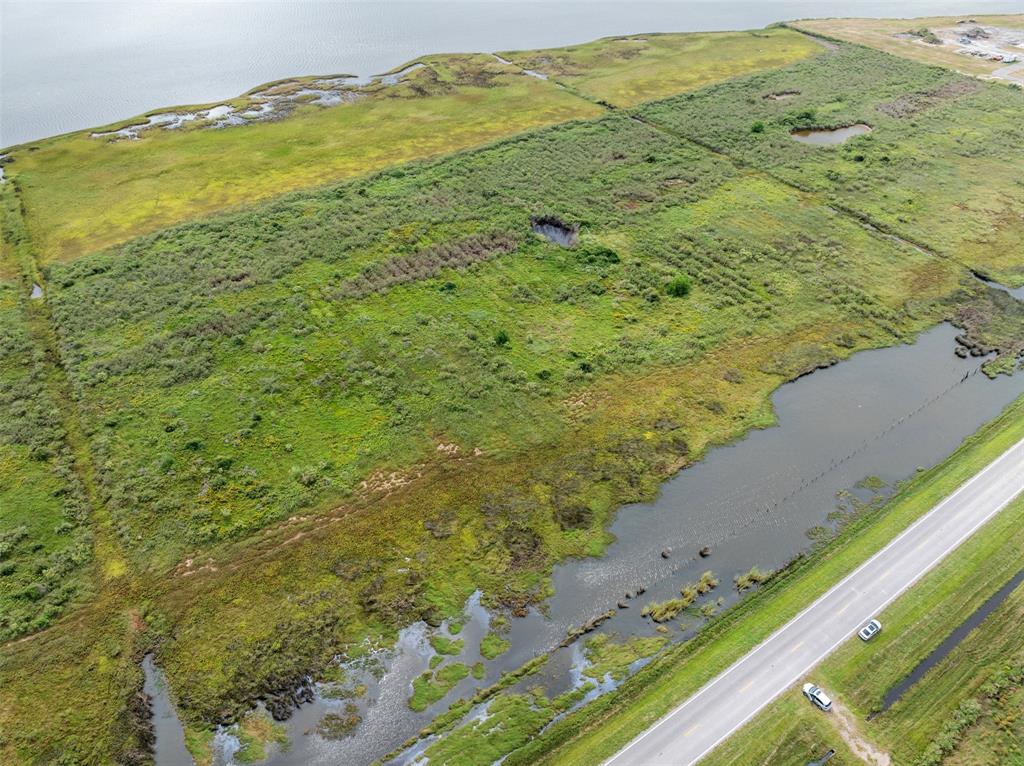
x: 913, y: 625
x: 858, y: 675
x: 83, y: 194
x: 238, y: 373
x: 881, y: 34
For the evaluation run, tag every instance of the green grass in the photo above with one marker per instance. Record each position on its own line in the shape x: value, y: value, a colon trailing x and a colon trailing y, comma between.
x: 45, y: 540
x: 795, y: 735
x: 83, y: 194
x: 613, y: 658
x: 255, y: 732
x: 430, y: 687
x: 513, y: 719
x: 922, y: 160
x: 445, y: 645
x: 603, y: 727
x: 300, y: 435
x: 858, y: 675
x: 625, y: 71
x: 493, y: 645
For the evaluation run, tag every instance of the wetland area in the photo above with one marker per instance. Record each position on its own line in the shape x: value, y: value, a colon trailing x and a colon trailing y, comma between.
x: 846, y: 436
x: 428, y: 410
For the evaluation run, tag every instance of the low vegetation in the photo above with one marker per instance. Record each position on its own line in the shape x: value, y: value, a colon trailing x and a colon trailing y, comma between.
x: 624, y: 71
x: 304, y: 425
x: 493, y: 645
x: 84, y: 193
x: 601, y: 728
x: 429, y: 687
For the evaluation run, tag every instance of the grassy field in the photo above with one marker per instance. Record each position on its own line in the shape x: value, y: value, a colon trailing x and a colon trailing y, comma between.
x: 311, y: 422
x: 935, y: 136
x: 83, y: 193
x: 45, y: 539
x: 881, y: 34
x: 600, y: 729
x: 625, y: 71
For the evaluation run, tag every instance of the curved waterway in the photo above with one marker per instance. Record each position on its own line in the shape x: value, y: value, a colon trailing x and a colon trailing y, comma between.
x: 883, y: 413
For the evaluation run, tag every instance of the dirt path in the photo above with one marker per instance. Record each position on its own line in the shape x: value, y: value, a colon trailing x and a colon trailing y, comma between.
x: 846, y: 725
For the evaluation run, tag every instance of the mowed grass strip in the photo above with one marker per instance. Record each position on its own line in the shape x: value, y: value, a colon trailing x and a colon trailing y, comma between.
x: 858, y: 675
x: 601, y: 729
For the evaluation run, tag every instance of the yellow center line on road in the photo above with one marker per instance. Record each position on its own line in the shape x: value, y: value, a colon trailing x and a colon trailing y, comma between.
x: 748, y: 685
x: 691, y: 730
x: 845, y: 607
x: 796, y: 647
x: 885, y: 574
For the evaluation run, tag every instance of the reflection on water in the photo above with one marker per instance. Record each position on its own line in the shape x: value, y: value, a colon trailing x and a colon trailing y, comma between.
x: 170, y: 736
x: 823, y: 137
x: 882, y: 413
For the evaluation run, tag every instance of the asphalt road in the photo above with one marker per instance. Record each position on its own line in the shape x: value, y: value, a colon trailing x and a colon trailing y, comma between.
x: 694, y: 728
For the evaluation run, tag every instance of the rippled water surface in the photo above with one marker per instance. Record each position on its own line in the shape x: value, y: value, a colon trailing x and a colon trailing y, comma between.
x: 73, y: 65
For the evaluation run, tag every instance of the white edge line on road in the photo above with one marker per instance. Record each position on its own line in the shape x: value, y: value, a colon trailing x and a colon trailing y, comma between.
x: 879, y: 608
x: 935, y: 510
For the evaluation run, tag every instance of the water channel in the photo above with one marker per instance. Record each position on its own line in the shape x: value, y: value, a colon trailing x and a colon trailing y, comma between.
x: 883, y: 413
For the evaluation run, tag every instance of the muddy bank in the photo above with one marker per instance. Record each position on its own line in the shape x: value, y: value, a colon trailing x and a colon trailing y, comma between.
x: 829, y: 137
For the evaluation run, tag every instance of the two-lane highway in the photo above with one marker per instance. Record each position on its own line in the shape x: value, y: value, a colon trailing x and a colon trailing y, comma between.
x: 731, y: 699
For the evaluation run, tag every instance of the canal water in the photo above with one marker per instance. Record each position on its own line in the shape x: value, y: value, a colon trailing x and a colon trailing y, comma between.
x: 884, y: 413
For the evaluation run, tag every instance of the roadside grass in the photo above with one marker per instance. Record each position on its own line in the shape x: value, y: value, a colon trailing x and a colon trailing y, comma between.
x: 858, y: 675
x: 794, y: 734
x: 603, y: 727
x: 881, y: 35
x: 624, y: 71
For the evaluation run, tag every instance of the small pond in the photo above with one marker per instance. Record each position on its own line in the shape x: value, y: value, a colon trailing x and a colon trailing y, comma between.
x: 556, y: 231
x: 829, y: 137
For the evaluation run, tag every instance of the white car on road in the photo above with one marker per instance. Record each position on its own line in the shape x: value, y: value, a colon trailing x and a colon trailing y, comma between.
x: 817, y: 697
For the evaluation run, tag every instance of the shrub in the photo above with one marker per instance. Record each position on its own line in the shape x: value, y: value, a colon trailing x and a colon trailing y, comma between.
x: 501, y: 338
x: 679, y: 287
